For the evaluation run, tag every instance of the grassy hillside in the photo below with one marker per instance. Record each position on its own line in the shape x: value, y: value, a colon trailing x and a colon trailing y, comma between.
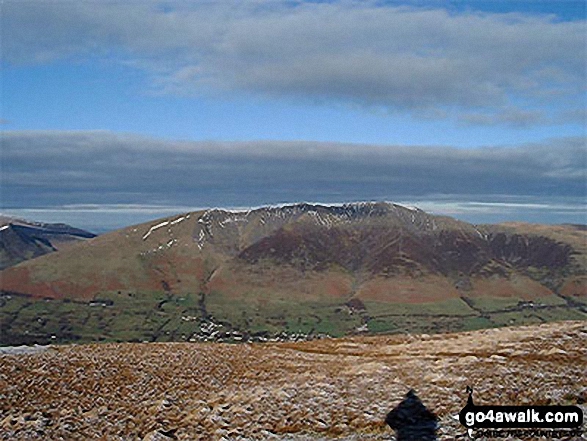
x: 296, y: 272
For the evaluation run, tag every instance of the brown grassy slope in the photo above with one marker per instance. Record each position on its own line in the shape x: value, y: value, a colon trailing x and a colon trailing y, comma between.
x: 365, y: 250
x: 329, y: 388
x: 117, y: 261
x: 575, y: 283
x: 575, y: 236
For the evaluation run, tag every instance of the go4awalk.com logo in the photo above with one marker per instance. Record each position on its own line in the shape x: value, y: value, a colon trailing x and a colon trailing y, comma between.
x: 521, y: 421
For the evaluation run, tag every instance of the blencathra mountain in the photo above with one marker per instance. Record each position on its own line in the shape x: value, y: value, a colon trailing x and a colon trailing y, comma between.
x: 296, y: 271
x: 21, y: 240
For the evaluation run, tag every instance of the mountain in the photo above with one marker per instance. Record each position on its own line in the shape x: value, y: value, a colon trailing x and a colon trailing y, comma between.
x: 299, y: 270
x: 22, y: 240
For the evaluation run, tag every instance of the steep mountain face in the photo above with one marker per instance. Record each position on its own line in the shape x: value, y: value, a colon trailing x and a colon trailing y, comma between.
x: 22, y: 240
x: 360, y: 266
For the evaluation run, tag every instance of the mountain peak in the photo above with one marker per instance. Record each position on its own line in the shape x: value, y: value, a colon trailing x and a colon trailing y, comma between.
x: 21, y: 239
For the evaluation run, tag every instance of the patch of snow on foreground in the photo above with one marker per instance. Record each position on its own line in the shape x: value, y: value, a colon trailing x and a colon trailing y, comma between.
x: 18, y: 350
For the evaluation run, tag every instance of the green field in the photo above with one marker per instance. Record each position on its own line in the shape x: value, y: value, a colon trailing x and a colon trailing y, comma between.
x: 157, y: 316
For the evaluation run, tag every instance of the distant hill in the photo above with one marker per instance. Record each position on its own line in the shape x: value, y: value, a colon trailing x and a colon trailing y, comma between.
x: 303, y: 270
x: 21, y: 240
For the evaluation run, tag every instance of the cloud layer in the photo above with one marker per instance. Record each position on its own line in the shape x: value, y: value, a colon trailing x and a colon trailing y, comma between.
x: 482, y: 68
x: 53, y: 169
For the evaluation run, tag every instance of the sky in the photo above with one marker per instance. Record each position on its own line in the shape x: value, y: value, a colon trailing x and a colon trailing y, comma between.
x: 118, y: 112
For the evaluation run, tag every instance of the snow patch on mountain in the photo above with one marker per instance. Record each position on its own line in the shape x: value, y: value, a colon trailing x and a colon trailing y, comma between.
x: 155, y: 227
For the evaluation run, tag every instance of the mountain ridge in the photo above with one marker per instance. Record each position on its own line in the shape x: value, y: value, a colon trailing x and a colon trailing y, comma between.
x: 21, y: 239
x: 305, y: 266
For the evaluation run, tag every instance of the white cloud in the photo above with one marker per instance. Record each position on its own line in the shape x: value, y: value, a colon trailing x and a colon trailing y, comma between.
x: 425, y: 61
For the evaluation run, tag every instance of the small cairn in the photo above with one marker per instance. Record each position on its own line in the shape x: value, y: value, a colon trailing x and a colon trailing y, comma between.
x: 412, y: 421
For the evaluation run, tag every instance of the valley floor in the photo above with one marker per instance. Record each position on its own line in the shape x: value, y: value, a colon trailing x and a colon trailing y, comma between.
x: 316, y: 390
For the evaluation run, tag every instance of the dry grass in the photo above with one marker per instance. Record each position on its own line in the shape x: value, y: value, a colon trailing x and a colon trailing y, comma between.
x: 313, y: 390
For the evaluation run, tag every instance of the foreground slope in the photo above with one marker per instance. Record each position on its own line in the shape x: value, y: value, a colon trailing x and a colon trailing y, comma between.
x: 301, y: 270
x: 283, y: 391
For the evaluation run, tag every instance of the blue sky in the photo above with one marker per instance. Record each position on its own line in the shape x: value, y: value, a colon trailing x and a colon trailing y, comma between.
x: 93, y: 96
x: 425, y: 85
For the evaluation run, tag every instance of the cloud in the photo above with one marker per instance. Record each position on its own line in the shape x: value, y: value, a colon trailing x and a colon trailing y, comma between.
x: 51, y: 169
x: 421, y: 60
x: 508, y: 116
x: 574, y: 115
